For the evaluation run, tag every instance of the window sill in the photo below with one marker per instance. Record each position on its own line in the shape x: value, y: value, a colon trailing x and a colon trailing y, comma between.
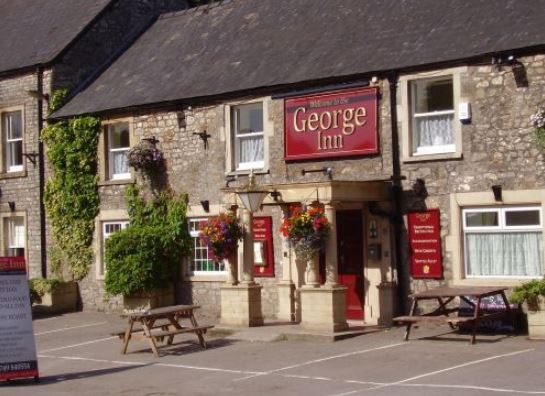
x: 115, y: 182
x: 245, y: 172
x: 433, y: 157
x: 13, y: 175
x: 216, y: 277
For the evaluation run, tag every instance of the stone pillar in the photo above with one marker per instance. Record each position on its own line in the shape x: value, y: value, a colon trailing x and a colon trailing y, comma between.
x: 313, y: 272
x: 324, y: 308
x: 241, y: 304
x: 248, y: 248
x: 331, y: 256
x: 232, y: 266
x: 286, y: 286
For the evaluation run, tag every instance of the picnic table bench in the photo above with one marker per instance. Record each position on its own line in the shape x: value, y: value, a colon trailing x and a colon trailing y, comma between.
x: 444, y: 296
x: 154, y: 325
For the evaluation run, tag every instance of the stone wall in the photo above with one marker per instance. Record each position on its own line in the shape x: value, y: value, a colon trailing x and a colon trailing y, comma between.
x: 23, y: 187
x: 202, y: 173
x: 497, y: 145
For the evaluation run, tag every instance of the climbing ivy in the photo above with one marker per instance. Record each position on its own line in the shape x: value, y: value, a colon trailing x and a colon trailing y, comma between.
x: 71, y: 193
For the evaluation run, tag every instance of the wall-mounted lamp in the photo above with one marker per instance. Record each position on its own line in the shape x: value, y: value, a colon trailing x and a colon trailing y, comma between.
x: 204, y: 137
x: 206, y: 205
x: 37, y: 95
x: 328, y: 171
x: 496, y: 189
x: 11, y: 205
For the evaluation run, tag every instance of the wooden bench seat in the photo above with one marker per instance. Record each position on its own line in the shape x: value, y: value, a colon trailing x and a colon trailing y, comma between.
x: 434, y: 319
x: 121, y: 333
x: 170, y: 332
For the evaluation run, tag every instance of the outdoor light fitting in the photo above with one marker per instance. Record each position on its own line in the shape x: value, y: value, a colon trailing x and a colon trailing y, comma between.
x: 496, y: 190
x: 251, y: 196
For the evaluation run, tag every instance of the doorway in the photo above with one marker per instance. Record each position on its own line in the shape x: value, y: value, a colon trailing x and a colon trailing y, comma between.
x: 350, y: 258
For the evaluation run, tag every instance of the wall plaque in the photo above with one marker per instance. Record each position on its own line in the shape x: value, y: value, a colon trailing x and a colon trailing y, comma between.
x: 425, y: 244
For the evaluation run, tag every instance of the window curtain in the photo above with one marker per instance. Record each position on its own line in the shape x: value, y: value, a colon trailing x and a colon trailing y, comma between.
x: 504, y: 254
x: 120, y: 162
x: 436, y: 130
x: 250, y: 149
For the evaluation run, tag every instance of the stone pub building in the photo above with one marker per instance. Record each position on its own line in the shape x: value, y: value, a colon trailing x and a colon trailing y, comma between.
x: 408, y: 120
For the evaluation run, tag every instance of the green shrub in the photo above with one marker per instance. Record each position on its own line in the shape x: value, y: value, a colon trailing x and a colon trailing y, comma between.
x: 529, y: 292
x: 138, y: 260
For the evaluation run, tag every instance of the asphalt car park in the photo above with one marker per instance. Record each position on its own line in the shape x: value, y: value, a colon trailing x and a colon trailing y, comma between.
x: 77, y: 355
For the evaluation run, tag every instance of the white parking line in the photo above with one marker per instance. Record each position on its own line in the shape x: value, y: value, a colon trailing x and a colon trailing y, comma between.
x: 402, y: 382
x: 77, y: 345
x: 322, y: 360
x: 70, y: 328
x: 150, y: 364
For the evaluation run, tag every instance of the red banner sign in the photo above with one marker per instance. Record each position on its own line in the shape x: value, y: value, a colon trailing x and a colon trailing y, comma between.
x: 263, y: 246
x: 338, y: 124
x: 425, y: 244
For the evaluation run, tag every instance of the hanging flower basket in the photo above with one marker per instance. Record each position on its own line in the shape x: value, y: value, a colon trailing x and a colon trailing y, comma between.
x: 307, y: 228
x: 145, y: 157
x: 221, y: 235
x: 538, y: 122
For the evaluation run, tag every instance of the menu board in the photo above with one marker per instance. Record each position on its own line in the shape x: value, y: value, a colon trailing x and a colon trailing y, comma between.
x: 263, y: 247
x: 425, y: 244
x: 17, y: 346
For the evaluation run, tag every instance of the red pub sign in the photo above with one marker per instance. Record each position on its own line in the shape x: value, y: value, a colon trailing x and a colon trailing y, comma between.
x: 425, y: 244
x: 338, y: 124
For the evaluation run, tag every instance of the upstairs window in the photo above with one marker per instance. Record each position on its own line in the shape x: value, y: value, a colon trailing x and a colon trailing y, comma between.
x: 432, y: 116
x: 503, y: 242
x: 12, y: 128
x: 118, y: 145
x: 248, y: 136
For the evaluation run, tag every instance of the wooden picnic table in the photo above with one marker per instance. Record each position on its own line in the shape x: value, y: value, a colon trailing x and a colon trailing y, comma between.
x: 473, y: 296
x: 160, y: 323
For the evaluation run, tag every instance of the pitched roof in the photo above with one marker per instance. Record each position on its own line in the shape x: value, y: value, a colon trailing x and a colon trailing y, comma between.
x: 248, y: 44
x: 34, y: 32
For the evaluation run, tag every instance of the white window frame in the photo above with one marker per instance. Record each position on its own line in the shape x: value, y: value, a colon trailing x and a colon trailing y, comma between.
x: 405, y: 114
x: 239, y: 136
x: 105, y: 235
x: 502, y: 227
x: 194, y: 233
x: 427, y: 150
x: 230, y: 133
x: 6, y: 142
x: 8, y: 221
x: 111, y: 151
x: 5, y: 218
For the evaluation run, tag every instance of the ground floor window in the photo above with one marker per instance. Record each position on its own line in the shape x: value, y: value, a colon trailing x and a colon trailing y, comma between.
x: 109, y: 228
x: 14, y: 236
x: 503, y: 242
x: 200, y: 261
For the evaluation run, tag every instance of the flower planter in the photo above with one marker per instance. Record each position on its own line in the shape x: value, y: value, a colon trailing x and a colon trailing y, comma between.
x: 535, y: 314
x: 62, y: 299
x: 149, y: 300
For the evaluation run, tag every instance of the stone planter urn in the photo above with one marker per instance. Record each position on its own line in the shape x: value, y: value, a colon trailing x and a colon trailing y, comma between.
x: 149, y: 300
x: 63, y: 298
x: 535, y: 312
x: 232, y: 270
x: 312, y: 273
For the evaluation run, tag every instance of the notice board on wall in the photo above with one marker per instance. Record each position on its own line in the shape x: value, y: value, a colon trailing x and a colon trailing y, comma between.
x: 263, y: 247
x: 17, y: 345
x: 425, y: 244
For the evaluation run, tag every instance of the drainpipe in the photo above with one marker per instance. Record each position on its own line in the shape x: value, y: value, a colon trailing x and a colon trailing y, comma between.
x: 41, y: 170
x: 397, y: 194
